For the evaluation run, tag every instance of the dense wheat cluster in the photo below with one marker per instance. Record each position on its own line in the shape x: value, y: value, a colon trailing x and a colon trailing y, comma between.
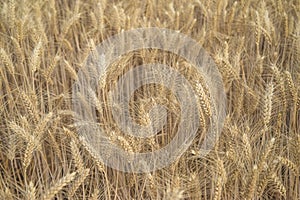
x: 256, y: 47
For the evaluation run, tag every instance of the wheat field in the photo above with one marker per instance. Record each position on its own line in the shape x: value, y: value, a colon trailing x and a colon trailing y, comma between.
x: 255, y: 46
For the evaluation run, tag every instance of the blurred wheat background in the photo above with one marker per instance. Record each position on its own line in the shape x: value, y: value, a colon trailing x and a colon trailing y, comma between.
x: 256, y: 47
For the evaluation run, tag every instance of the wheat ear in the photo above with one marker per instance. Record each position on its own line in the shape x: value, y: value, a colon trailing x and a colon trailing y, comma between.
x: 6, y: 60
x: 29, y: 106
x: 95, y: 195
x: 267, y: 108
x: 78, y: 182
x: 76, y: 156
x: 36, y: 56
x: 58, y: 186
x: 31, y: 192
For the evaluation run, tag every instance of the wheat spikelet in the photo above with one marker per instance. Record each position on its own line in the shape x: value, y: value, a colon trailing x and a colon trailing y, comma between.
x: 11, y: 152
x: 203, y: 8
x: 203, y: 99
x: 95, y: 100
x: 36, y: 57
x: 279, y: 81
x: 232, y: 12
x: 30, y: 108
x: 54, y: 144
x: 265, y: 154
x: 70, y: 134
x: 288, y: 163
x: 251, y: 187
x: 70, y: 69
x: 248, y: 149
x: 94, y: 20
x: 95, y: 195
x: 18, y: 130
x: 278, y: 185
x: 218, y: 189
x: 263, y: 182
x: 221, y: 180
x: 174, y: 194
x: 124, y: 143
x: 285, y: 25
x: 265, y: 34
x: 32, y: 143
x: 58, y: 186
x: 6, y: 194
x: 68, y: 24
x: 80, y: 179
x: 257, y: 169
x: 47, y: 73
x: 267, y: 107
x: 267, y: 21
x: 280, y: 6
x: 18, y: 51
x: 30, y: 192
x: 41, y: 127
x: 151, y: 182
x: 7, y: 61
x: 240, y: 101
x: 20, y: 29
x: 290, y: 86
x: 257, y: 29
x: 28, y: 153
x: 11, y: 13
x: 76, y: 156
x: 226, y: 68
x: 93, y: 155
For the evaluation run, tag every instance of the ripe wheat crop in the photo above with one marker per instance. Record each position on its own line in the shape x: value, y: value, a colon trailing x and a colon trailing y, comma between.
x: 256, y: 47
